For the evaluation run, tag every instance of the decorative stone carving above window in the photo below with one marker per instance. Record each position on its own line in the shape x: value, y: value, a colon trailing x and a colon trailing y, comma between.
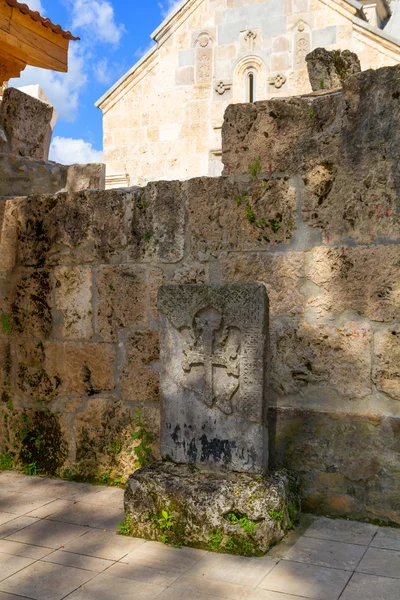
x: 204, y: 59
x: 222, y: 87
x: 249, y: 40
x: 301, y: 44
x: 277, y: 80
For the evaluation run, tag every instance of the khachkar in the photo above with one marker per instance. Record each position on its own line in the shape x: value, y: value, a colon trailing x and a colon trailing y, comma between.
x: 213, y: 375
x: 212, y: 489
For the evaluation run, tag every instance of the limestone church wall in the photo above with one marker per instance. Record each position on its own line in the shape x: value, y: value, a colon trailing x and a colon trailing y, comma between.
x: 310, y: 209
x: 164, y: 120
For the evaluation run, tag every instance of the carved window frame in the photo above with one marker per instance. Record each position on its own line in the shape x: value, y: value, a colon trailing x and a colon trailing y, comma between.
x: 250, y: 65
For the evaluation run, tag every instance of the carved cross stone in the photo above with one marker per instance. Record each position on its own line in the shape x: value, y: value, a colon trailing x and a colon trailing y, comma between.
x: 205, y: 350
x: 213, y: 373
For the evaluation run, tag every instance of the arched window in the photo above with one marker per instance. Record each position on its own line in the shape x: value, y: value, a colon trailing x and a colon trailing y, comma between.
x: 251, y: 87
x: 250, y: 79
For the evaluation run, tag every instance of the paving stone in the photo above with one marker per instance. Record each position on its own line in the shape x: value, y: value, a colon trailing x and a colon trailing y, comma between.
x: 44, y: 581
x: 232, y: 569
x: 268, y: 595
x: 370, y: 587
x: 49, y: 509
x: 26, y: 550
x: 89, y: 563
x: 219, y: 589
x: 4, y: 596
x: 326, y: 553
x: 5, y: 517
x: 10, y: 564
x: 306, y: 580
x: 378, y: 561
x: 337, y: 530
x: 174, y: 594
x: 141, y: 573
x: 112, y: 524
x: 15, y: 525
x: 20, y: 504
x: 107, y: 496
x: 50, y: 534
x: 158, y: 556
x: 117, y: 589
x: 102, y: 544
x: 81, y: 513
x: 388, y: 538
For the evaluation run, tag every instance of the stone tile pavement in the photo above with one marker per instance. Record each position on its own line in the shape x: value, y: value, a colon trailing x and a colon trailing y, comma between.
x: 58, y: 540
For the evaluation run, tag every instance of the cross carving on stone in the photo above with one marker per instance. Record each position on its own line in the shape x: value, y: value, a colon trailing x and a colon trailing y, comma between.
x: 204, y: 351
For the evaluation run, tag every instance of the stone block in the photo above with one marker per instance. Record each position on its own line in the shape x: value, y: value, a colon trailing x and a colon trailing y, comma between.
x: 343, y: 205
x: 139, y: 376
x: 307, y: 357
x: 186, y: 58
x: 386, y: 369
x: 103, y: 432
x: 324, y: 37
x: 85, y: 177
x: 184, y: 76
x: 214, y: 375
x: 27, y: 123
x: 281, y: 274
x: 360, y: 279
x: 32, y: 303
x: 9, y: 234
x: 5, y: 367
x: 123, y: 299
x: 79, y: 368
x: 34, y: 380
x: 225, y: 512
x: 328, y: 69
x: 24, y: 176
x: 290, y: 134
x: 87, y: 227
x: 158, y: 223
x: 73, y: 299
x: 229, y: 215
x: 345, y: 462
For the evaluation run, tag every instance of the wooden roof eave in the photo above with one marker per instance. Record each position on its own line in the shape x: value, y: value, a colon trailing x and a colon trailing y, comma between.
x: 28, y: 42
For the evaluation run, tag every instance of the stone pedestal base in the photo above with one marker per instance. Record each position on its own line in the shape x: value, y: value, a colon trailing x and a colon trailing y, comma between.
x: 224, y: 512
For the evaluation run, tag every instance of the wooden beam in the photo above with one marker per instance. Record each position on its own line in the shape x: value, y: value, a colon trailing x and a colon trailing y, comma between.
x: 30, y: 42
x: 27, y: 53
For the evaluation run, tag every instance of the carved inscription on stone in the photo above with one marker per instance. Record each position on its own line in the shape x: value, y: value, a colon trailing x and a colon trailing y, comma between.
x: 302, y: 45
x: 213, y: 356
x: 204, y: 59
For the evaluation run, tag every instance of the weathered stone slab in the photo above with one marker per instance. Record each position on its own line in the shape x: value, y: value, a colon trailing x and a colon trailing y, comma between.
x: 224, y: 214
x: 386, y: 371
x: 224, y: 512
x: 213, y: 375
x: 328, y: 69
x: 27, y: 123
x: 24, y: 176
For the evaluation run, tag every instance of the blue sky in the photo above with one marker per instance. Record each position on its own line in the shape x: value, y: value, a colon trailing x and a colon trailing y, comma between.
x: 114, y: 35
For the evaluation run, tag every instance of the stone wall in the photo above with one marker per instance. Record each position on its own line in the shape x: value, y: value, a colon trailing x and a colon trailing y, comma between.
x: 20, y: 176
x: 310, y: 209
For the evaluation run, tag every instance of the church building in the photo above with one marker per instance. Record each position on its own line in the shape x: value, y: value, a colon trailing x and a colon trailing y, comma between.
x: 163, y: 118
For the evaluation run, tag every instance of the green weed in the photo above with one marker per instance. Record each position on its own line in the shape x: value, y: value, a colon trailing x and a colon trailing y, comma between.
x: 145, y: 437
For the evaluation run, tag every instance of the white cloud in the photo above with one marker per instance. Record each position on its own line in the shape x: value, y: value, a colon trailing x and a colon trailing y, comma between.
x: 62, y: 89
x: 168, y: 6
x: 103, y: 72
x: 97, y: 19
x: 69, y: 151
x: 36, y: 5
